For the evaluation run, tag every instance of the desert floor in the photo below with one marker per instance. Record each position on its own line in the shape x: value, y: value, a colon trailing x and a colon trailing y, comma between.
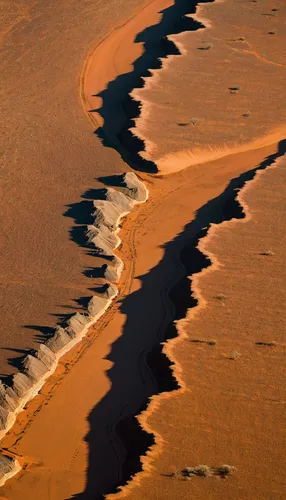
x: 219, y: 403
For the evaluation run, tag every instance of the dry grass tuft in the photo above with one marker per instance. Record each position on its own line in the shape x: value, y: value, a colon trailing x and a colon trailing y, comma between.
x: 220, y: 296
x: 225, y: 470
x: 202, y: 471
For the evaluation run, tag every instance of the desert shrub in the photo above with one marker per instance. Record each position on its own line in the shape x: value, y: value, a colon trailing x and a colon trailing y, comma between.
x: 199, y: 470
x: 225, y: 470
x: 220, y: 296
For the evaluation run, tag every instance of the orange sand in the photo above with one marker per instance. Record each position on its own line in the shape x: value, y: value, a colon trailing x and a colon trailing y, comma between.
x: 52, y: 441
x: 194, y: 97
x: 232, y: 409
x: 65, y: 440
x: 50, y: 159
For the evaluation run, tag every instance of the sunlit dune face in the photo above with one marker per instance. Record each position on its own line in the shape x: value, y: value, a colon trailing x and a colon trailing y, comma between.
x: 224, y: 95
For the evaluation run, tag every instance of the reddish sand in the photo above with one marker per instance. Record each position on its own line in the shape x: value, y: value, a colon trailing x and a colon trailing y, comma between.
x: 195, y: 95
x: 66, y: 439
x: 51, y: 158
x: 232, y: 409
x: 51, y: 441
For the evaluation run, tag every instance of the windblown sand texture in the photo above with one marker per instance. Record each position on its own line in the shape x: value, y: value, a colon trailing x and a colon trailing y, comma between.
x: 224, y: 93
x: 39, y: 365
x: 232, y: 407
x: 78, y: 438
x: 50, y: 164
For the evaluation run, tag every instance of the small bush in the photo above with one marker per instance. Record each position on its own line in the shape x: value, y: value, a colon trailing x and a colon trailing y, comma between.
x: 203, y: 471
x: 247, y: 114
x: 212, y: 342
x: 220, y: 296
x: 268, y: 253
x: 225, y: 470
x: 235, y: 87
x: 203, y: 341
x: 200, y: 470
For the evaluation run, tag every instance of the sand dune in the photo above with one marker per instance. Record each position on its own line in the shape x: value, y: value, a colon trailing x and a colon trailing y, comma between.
x: 90, y: 447
x: 50, y: 165
x: 97, y: 370
x: 230, y: 356
x: 42, y: 364
x: 221, y: 109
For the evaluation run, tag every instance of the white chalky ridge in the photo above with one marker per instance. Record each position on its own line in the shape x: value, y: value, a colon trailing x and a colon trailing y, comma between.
x: 40, y: 365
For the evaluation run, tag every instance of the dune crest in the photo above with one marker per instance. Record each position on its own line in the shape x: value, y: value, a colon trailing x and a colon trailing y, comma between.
x: 40, y: 365
x: 209, y: 129
x: 9, y: 467
x: 174, y: 162
x: 211, y: 263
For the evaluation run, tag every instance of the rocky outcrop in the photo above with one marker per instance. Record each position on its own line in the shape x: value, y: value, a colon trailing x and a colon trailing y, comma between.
x: 9, y: 466
x: 133, y: 187
x: 112, y: 272
x: 108, y: 213
x: 39, y: 365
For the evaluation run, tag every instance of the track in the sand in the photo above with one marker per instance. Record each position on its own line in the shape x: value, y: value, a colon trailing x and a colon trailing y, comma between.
x: 136, y: 440
x: 157, y: 47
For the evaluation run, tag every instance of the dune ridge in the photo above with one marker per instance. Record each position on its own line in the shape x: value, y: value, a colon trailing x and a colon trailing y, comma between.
x: 143, y: 105
x: 106, y: 244
x: 40, y: 365
x: 158, y: 50
x: 239, y: 212
x: 177, y: 160
x: 172, y: 163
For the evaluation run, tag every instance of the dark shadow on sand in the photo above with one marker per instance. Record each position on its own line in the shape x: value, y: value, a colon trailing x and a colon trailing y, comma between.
x: 118, y: 109
x: 140, y: 369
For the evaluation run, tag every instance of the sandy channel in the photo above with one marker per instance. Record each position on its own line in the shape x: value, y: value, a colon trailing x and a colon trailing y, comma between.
x: 66, y: 439
x: 48, y: 465
x: 231, y: 357
x: 223, y: 93
x: 50, y: 164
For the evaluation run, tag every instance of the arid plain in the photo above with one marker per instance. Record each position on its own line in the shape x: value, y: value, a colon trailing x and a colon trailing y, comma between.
x: 197, y: 357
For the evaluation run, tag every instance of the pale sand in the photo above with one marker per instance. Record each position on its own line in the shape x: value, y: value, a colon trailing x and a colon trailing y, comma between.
x: 57, y: 467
